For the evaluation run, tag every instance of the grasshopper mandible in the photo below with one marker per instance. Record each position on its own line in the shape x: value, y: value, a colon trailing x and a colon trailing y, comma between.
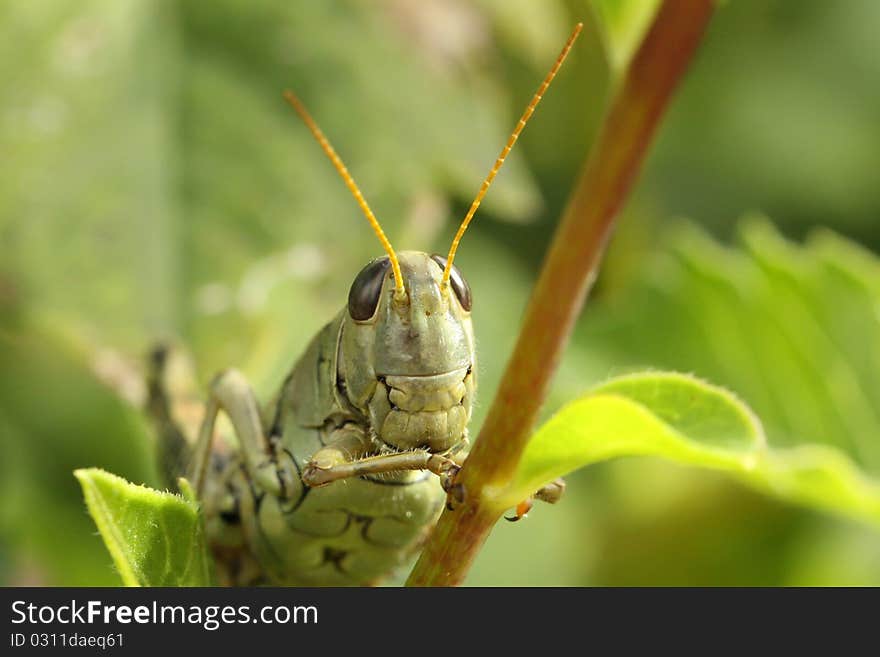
x: 333, y: 482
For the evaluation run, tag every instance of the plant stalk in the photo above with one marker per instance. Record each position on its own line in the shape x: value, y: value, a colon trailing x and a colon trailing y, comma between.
x: 569, y: 270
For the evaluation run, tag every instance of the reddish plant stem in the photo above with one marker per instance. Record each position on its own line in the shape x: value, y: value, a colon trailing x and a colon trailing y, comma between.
x: 569, y: 270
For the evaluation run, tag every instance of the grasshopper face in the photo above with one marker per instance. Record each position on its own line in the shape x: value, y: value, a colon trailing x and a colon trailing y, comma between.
x: 408, y: 364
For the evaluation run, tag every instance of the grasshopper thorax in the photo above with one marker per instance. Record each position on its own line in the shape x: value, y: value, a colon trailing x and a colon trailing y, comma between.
x: 408, y: 363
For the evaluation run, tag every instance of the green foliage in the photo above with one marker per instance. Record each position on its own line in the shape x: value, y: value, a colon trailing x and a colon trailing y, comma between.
x: 681, y: 418
x: 154, y: 184
x: 779, y: 114
x: 792, y: 329
x: 55, y: 415
x: 155, y: 538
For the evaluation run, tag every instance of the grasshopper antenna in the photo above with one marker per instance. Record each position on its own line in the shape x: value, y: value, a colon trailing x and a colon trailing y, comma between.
x: 400, y: 290
x: 526, y: 115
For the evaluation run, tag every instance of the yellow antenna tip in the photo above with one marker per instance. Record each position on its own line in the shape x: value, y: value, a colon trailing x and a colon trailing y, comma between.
x: 526, y: 115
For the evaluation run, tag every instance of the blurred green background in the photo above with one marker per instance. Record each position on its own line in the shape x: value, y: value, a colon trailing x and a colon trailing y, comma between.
x: 154, y: 185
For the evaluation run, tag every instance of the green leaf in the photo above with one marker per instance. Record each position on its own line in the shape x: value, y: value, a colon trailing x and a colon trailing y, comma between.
x: 623, y: 24
x: 155, y: 538
x: 793, y: 328
x: 683, y: 419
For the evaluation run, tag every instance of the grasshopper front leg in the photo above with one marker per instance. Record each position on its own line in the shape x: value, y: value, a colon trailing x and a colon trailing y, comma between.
x: 271, y: 468
x: 344, y: 457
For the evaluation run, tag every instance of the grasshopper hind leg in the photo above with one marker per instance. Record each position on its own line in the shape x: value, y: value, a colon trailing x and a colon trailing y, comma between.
x: 168, y: 377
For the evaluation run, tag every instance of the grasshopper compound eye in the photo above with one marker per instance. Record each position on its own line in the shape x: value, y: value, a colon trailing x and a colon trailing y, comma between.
x: 459, y: 284
x: 363, y: 297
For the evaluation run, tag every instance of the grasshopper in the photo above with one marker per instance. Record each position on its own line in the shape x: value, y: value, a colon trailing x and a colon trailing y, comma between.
x: 340, y: 477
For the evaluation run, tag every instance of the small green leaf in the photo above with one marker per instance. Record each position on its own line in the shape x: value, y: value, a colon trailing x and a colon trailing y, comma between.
x: 623, y: 24
x: 683, y: 419
x: 155, y: 538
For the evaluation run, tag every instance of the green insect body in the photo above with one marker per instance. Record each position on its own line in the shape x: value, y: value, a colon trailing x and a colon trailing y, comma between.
x: 399, y: 383
x: 339, y: 478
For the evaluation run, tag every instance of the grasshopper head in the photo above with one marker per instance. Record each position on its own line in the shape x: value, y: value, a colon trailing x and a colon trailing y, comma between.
x: 408, y: 363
